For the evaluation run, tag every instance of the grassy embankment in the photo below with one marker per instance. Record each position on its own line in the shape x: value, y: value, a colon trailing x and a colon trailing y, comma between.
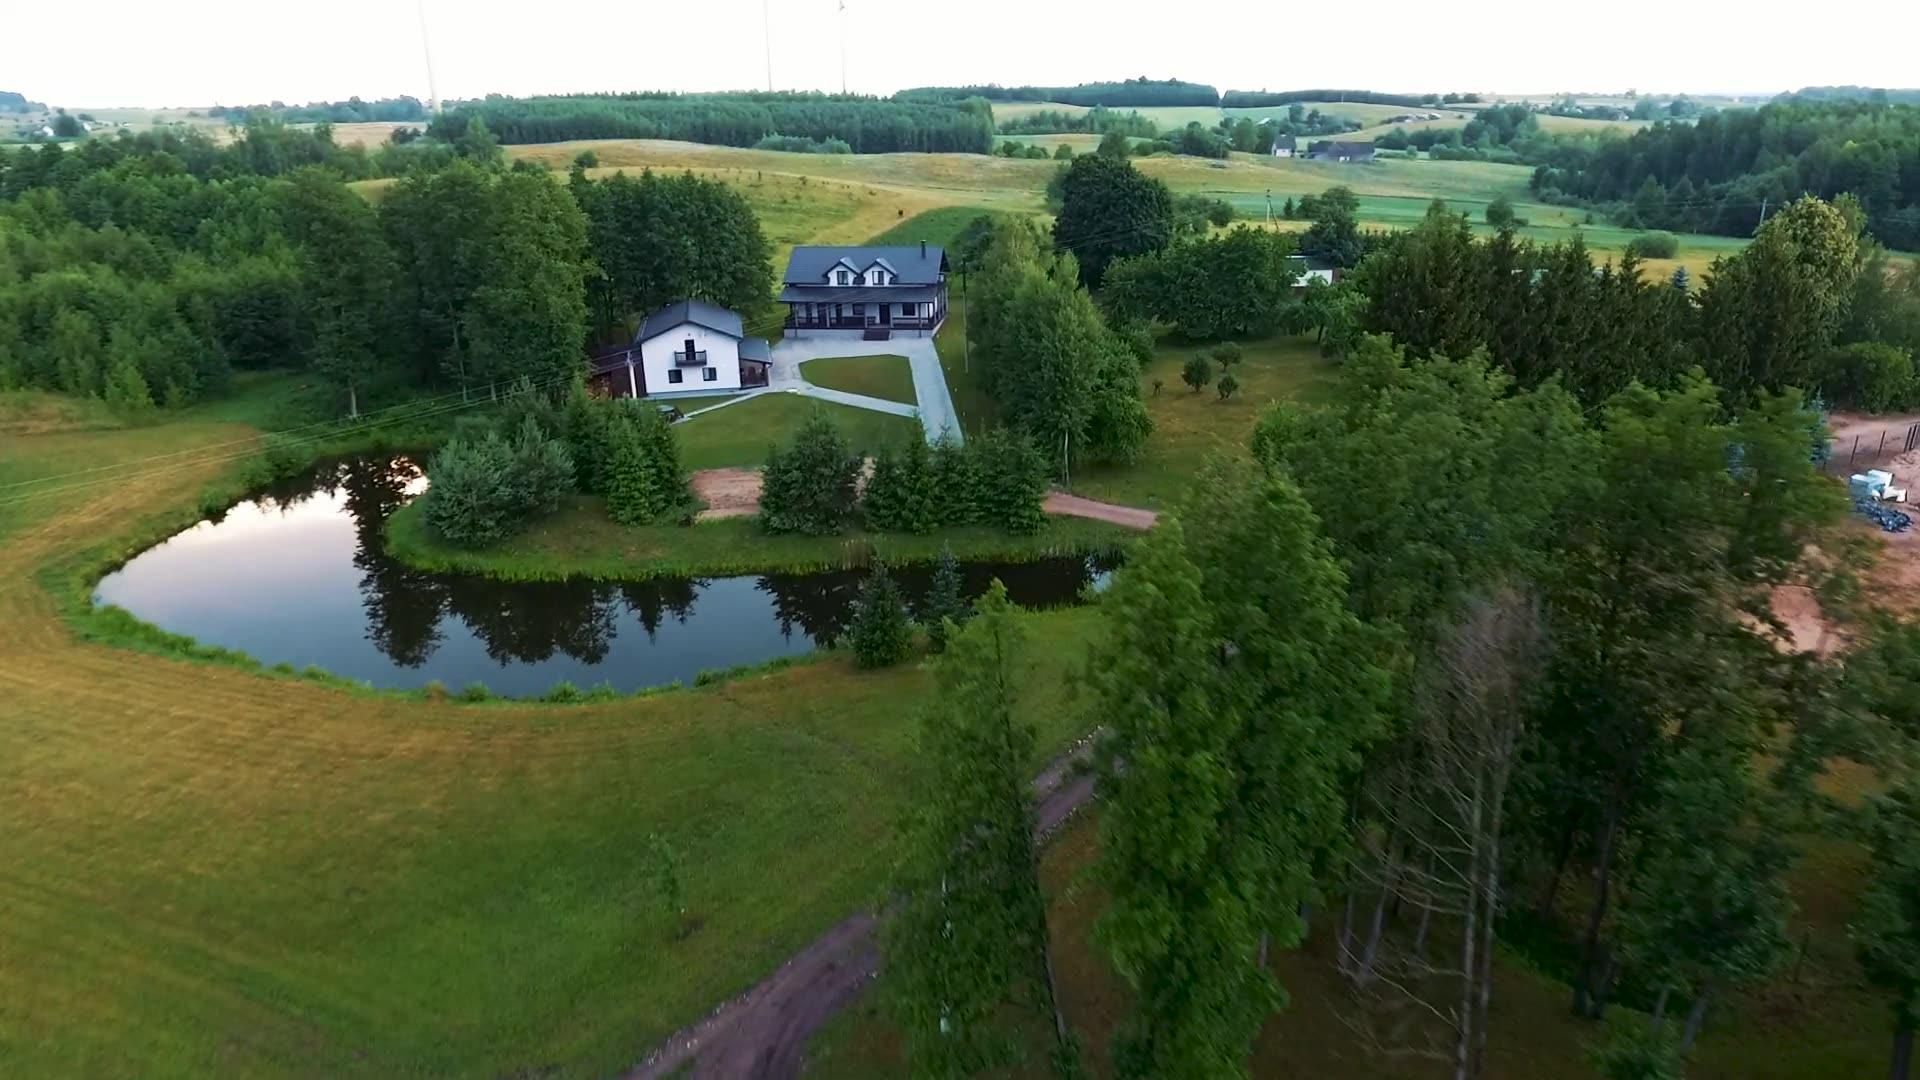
x: 211, y: 872
x: 889, y: 378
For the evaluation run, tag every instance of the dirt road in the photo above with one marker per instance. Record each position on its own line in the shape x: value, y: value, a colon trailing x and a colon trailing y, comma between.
x: 763, y: 1033
x: 1065, y: 505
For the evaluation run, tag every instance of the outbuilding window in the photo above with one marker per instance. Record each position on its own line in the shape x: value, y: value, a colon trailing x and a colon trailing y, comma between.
x: 709, y: 374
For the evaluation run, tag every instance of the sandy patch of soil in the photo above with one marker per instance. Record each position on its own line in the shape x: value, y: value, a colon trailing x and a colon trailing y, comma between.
x: 728, y: 493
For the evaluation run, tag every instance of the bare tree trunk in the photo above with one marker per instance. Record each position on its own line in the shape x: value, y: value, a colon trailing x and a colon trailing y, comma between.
x: 1660, y: 1006
x: 1696, y: 1018
x: 1491, y: 873
x: 1590, y: 940
x: 1551, y: 893
x: 1346, y: 933
x: 1603, y: 990
x: 1305, y: 911
x: 1469, y: 943
x: 1420, y: 934
x: 1053, y: 992
x: 1364, y: 971
x: 1265, y: 940
x: 1901, y: 1067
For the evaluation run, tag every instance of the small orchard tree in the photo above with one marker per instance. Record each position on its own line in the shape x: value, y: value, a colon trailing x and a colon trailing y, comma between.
x: 946, y: 607
x: 881, y: 634
x: 1227, y: 354
x: 1500, y: 213
x: 1197, y: 373
x: 809, y: 485
x: 1227, y: 385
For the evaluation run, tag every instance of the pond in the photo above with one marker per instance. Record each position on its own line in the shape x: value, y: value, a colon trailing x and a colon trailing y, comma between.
x: 299, y: 575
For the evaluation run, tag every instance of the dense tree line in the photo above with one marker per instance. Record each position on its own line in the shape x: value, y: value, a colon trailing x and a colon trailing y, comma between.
x: 351, y: 111
x: 868, y: 125
x: 1060, y: 375
x: 1234, y: 285
x: 1255, y: 99
x: 1136, y: 92
x: 1714, y: 175
x: 1098, y: 121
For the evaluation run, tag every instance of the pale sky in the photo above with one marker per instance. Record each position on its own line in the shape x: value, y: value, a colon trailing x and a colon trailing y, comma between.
x: 202, y: 52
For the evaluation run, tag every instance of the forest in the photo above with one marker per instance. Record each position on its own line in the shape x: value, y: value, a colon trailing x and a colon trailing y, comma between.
x: 1718, y: 173
x: 868, y: 125
x: 1255, y: 99
x: 1135, y: 92
x: 351, y: 111
x: 146, y: 269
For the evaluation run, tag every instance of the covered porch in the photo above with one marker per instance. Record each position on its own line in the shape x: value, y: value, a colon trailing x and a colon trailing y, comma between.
x: 920, y: 309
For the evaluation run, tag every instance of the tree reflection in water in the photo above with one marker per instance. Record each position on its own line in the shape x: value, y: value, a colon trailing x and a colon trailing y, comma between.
x: 529, y: 622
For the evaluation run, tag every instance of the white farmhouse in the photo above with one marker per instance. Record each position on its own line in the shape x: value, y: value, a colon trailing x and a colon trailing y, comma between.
x: 687, y: 347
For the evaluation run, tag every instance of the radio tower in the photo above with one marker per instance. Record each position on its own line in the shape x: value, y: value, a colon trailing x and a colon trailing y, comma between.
x: 843, y: 47
x: 433, y: 96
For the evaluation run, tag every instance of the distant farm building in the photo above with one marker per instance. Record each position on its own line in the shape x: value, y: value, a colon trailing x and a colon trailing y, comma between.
x: 1284, y: 145
x: 1333, y: 150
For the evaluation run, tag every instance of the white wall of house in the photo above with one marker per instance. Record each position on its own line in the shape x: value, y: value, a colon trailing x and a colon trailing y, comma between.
x: 721, y: 371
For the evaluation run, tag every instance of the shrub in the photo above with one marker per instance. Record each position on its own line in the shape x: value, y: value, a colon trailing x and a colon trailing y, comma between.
x: 563, y: 692
x: 946, y: 606
x: 1012, y: 481
x: 902, y: 494
x: 1500, y: 213
x: 880, y: 635
x: 1870, y: 376
x: 486, y: 490
x: 1227, y: 385
x: 1654, y: 245
x: 1227, y: 354
x: 1197, y: 373
x: 809, y: 486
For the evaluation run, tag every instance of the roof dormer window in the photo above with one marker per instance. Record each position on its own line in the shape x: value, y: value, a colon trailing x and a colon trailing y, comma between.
x: 843, y: 277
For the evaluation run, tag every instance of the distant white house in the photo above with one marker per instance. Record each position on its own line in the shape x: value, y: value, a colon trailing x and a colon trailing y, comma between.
x: 689, y: 346
x: 1312, y: 269
x: 1284, y: 145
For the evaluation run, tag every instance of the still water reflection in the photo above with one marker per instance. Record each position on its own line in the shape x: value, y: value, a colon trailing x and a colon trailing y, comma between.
x: 298, y: 575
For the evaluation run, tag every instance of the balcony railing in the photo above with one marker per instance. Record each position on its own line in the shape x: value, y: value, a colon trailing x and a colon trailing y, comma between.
x: 690, y: 359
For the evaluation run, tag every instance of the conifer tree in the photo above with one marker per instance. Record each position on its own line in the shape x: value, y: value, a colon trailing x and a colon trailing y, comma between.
x: 946, y: 602
x: 631, y: 497
x: 809, y: 485
x: 1013, y: 482
x: 881, y: 634
x: 956, y: 481
x: 901, y: 494
x: 967, y: 953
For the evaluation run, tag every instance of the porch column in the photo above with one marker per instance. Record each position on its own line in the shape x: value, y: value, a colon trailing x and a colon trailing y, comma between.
x: 633, y: 385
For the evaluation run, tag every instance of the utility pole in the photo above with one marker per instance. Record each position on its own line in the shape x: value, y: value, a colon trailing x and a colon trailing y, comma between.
x: 843, y: 48
x: 1763, y: 213
x: 1269, y: 207
x: 766, y: 25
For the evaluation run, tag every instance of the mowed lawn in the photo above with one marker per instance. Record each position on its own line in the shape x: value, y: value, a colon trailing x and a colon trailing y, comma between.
x: 1189, y: 426
x: 209, y: 872
x: 740, y: 435
x: 887, y: 377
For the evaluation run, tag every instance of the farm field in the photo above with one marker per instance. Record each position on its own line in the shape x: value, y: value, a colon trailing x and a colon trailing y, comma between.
x: 216, y: 871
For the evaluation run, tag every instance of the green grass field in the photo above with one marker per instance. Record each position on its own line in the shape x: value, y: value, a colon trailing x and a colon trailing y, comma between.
x: 889, y: 378
x: 1188, y: 426
x: 739, y: 435
x: 212, y: 872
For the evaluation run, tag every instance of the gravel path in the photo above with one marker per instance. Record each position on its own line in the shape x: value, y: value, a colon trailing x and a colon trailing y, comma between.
x: 1133, y: 517
x: 763, y: 1033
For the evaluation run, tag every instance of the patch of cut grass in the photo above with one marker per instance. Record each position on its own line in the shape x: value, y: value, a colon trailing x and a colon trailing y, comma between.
x: 582, y: 541
x: 941, y: 226
x: 1189, y: 426
x: 886, y: 376
x: 740, y: 435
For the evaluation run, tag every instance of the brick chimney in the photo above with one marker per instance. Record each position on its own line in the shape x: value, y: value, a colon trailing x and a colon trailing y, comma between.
x: 923, y: 249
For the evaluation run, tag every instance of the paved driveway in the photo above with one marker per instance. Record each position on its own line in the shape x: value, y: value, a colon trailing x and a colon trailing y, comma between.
x: 935, y: 410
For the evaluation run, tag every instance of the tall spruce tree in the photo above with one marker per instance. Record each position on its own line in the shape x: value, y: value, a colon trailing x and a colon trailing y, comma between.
x: 967, y: 952
x: 946, y: 606
x: 809, y: 484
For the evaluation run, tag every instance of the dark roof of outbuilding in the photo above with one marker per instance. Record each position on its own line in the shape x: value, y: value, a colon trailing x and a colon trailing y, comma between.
x: 698, y: 312
x: 809, y: 264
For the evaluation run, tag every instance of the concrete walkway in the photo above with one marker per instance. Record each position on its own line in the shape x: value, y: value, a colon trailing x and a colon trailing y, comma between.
x: 935, y: 410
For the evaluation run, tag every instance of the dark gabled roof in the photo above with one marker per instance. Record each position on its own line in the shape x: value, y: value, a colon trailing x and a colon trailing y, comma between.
x: 681, y: 312
x: 756, y: 349
x: 809, y: 265
x: 858, y: 294
x: 1287, y: 141
x: 1337, y: 148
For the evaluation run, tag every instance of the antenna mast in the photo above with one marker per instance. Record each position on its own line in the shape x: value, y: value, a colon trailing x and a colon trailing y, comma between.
x: 843, y: 47
x: 766, y: 24
x: 433, y: 95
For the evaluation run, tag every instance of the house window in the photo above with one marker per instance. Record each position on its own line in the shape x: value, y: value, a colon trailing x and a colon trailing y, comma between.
x: 689, y: 346
x: 842, y: 277
x: 675, y: 374
x: 859, y: 311
x: 708, y: 374
x: 906, y: 310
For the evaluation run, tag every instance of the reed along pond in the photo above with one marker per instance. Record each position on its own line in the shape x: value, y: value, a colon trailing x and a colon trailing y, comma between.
x: 298, y: 575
